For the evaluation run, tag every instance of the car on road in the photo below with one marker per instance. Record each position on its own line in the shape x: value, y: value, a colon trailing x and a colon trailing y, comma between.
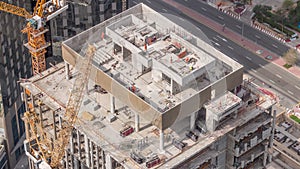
x: 269, y: 57
x: 259, y: 52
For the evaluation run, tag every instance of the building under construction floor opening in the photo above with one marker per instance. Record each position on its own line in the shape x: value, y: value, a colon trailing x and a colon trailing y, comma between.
x: 157, y: 97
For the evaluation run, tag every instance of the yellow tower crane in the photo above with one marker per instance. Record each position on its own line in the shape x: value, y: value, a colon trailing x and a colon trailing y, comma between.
x: 41, y: 146
x: 35, y: 29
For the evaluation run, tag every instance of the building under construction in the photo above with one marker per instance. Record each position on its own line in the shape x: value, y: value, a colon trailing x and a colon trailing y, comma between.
x: 15, y: 61
x: 157, y: 97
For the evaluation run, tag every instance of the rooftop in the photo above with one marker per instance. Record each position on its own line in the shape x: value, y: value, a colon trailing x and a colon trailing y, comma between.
x: 153, y: 57
x: 53, y: 88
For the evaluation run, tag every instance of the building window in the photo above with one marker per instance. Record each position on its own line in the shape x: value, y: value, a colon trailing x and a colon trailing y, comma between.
x: 3, y: 161
x: 21, y: 122
x: 18, y: 153
x: 14, y: 130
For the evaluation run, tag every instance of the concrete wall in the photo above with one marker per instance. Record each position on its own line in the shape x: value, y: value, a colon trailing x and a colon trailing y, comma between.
x: 116, y: 89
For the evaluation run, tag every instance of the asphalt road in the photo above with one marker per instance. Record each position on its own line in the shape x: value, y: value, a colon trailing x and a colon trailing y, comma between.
x: 246, y: 30
x: 287, y: 85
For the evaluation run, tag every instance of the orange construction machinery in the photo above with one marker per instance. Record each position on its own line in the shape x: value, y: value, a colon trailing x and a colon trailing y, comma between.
x: 35, y: 28
x: 73, y: 106
x: 39, y: 144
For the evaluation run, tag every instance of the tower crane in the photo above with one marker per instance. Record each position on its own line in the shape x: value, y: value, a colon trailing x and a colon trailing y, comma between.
x: 35, y: 28
x: 52, y: 152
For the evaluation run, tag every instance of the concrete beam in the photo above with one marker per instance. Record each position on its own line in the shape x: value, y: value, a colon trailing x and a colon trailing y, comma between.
x: 161, y: 140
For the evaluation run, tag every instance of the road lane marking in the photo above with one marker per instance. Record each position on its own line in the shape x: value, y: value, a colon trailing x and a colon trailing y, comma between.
x: 220, y: 17
x: 203, y: 9
x: 258, y: 37
x: 274, y: 46
x: 223, y: 39
x: 238, y: 26
x: 290, y: 92
x: 260, y: 65
x: 297, y: 87
x: 217, y: 44
x: 164, y: 10
x: 272, y: 81
x: 134, y: 2
x: 255, y: 71
x: 278, y: 76
x: 234, y: 59
x: 248, y: 58
x: 214, y: 38
x: 181, y: 19
x: 230, y: 47
x: 148, y: 1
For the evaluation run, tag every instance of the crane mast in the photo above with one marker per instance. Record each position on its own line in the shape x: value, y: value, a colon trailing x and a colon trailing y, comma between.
x: 73, y: 107
x: 35, y: 29
x: 41, y: 145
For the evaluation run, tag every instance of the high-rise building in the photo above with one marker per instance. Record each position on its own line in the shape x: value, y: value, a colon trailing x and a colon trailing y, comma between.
x: 157, y: 97
x: 15, y: 61
x: 14, y: 64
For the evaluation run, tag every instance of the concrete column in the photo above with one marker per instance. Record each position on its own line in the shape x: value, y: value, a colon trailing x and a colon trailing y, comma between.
x: 91, y: 154
x: 112, y: 104
x: 103, y: 159
x: 32, y: 166
x: 270, y: 158
x: 270, y: 110
x: 192, y: 120
x: 265, y: 159
x: 66, y: 160
x: 82, y: 165
x: 67, y: 68
x: 41, y: 112
x: 72, y: 160
x: 273, y: 129
x: 172, y: 85
x: 71, y: 144
x: 137, y: 122
x: 161, y: 142
x: 87, y: 154
x: 108, y: 164
x: 76, y: 163
x: 25, y: 98
x: 79, y: 144
x: 54, y: 125
x: 60, y: 122
x: 97, y: 158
